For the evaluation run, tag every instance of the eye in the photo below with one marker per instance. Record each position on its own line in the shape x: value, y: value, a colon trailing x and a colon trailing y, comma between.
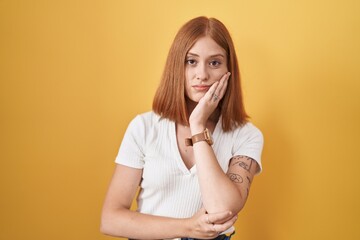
x: 215, y: 63
x: 190, y: 61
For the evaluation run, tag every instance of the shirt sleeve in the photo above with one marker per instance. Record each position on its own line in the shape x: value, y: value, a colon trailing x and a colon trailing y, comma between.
x: 131, y: 152
x: 249, y: 142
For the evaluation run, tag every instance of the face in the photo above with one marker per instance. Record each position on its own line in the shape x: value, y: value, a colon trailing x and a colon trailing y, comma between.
x: 206, y: 63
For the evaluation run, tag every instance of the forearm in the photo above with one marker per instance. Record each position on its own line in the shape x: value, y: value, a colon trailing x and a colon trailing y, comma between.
x: 131, y: 224
x: 118, y: 220
x: 218, y: 192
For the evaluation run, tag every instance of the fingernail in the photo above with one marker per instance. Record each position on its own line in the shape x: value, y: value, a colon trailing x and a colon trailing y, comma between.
x: 229, y: 73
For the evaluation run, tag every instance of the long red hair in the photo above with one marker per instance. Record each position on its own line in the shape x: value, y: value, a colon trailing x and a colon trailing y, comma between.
x: 169, y: 101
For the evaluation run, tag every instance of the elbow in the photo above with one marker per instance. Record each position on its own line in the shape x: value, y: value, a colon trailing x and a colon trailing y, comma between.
x: 107, y: 225
x: 233, y: 209
x: 234, y: 206
x: 103, y: 229
x: 112, y: 224
x: 238, y: 206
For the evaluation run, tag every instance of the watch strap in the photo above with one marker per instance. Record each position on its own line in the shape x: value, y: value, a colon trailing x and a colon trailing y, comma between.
x: 203, y: 136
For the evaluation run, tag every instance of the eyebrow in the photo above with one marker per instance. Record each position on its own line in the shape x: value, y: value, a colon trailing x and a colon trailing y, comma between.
x: 212, y: 56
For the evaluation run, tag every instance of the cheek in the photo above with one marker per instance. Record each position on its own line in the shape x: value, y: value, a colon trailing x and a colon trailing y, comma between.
x: 219, y: 73
x: 189, y: 73
x: 188, y: 78
x: 187, y: 84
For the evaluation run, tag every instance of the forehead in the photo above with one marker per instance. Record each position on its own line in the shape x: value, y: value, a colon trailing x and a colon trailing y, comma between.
x: 206, y: 46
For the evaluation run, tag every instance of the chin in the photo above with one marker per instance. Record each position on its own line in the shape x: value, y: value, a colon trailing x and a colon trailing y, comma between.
x: 196, y: 98
x: 193, y: 99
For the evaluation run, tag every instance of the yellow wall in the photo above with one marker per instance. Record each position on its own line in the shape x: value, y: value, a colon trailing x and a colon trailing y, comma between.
x: 73, y: 74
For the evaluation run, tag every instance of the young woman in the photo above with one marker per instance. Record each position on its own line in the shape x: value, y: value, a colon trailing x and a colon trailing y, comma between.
x: 195, y: 155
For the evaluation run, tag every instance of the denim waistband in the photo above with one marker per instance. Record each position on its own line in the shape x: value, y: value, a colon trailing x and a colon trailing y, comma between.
x: 220, y: 237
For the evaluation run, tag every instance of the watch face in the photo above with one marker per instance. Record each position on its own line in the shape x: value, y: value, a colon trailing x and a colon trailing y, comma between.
x: 208, y: 136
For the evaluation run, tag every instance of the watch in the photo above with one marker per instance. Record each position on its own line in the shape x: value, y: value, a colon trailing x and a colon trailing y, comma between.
x: 203, y: 136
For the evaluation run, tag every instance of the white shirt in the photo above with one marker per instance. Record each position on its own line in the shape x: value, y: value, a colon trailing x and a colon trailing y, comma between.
x: 168, y: 188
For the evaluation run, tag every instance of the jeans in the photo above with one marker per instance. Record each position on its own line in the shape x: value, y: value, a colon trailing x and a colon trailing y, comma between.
x: 220, y: 237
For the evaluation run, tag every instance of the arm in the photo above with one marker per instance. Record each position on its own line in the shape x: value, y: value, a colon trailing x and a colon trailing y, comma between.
x: 241, y: 172
x: 219, y: 192
x: 118, y: 220
x: 222, y: 191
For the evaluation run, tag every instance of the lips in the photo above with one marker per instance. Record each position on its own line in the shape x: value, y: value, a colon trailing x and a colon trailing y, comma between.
x: 201, y: 88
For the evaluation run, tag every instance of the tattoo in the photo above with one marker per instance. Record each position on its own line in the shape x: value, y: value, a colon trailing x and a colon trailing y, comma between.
x: 236, y: 178
x: 248, y: 179
x: 243, y: 161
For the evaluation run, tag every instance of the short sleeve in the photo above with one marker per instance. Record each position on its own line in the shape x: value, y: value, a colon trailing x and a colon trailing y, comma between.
x: 249, y: 142
x: 131, y: 152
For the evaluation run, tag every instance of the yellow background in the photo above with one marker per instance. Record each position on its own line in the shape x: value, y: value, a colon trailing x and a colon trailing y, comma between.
x: 74, y: 73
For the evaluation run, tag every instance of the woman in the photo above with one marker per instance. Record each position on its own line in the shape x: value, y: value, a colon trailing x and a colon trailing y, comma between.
x: 192, y: 186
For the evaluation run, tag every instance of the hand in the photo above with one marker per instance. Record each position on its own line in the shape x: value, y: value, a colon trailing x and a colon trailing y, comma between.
x: 207, y: 226
x: 208, y: 104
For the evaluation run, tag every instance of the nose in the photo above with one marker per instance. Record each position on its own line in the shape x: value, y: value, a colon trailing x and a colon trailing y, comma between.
x: 202, y: 72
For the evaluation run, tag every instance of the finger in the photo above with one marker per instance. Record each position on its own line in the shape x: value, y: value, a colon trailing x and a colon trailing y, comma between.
x: 210, y: 93
x: 220, y: 217
x: 210, y: 231
x: 221, y: 89
x: 224, y: 86
x: 226, y: 225
x: 207, y: 220
x: 221, y: 82
x: 217, y: 90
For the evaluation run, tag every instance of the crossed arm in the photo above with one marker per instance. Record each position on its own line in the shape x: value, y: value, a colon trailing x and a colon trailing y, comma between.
x: 118, y: 220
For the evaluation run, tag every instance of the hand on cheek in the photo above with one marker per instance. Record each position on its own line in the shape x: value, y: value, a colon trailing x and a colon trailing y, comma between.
x: 208, y: 103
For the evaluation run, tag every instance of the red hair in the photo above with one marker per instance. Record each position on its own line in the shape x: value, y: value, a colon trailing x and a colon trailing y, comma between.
x: 169, y: 101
